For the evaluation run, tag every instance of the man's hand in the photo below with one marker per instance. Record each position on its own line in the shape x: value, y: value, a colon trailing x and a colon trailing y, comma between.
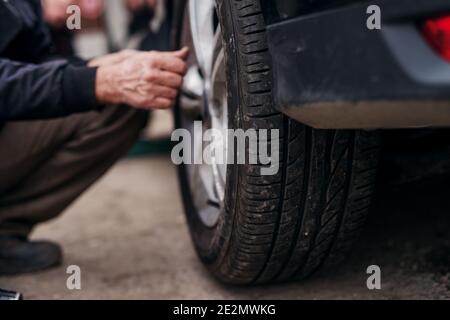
x: 144, y: 80
x: 113, y: 58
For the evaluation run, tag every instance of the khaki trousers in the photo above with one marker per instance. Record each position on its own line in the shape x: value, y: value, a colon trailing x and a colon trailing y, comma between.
x: 45, y: 165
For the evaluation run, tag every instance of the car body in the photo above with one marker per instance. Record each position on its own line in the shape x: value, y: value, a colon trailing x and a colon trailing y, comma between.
x: 386, y: 78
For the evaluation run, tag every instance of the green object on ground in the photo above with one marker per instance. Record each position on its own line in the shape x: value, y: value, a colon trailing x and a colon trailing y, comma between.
x: 153, y: 147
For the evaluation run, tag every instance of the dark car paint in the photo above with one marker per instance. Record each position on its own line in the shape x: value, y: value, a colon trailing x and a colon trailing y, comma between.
x: 331, y: 71
x: 278, y: 10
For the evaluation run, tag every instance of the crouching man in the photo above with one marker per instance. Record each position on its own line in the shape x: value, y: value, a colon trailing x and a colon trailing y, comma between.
x: 63, y: 124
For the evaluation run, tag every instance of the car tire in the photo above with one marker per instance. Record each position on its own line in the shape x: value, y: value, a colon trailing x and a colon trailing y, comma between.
x: 302, y: 219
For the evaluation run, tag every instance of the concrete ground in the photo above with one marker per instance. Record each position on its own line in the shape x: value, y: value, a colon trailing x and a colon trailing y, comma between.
x: 129, y: 236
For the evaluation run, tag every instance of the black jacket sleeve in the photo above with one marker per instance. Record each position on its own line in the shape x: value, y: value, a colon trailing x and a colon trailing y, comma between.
x: 47, y: 90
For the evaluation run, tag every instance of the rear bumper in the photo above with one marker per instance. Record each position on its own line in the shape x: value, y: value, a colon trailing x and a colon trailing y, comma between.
x: 331, y: 71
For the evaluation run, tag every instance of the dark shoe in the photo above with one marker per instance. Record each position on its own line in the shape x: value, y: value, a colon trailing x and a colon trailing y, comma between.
x: 19, y: 255
x: 10, y: 295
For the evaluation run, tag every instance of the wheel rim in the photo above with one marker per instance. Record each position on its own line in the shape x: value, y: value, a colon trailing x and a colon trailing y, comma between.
x: 204, y: 97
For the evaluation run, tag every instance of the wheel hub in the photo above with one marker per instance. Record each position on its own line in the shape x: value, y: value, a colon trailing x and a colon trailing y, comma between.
x: 204, y: 98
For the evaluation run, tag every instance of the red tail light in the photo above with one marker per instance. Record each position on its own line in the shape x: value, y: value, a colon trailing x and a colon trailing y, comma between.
x: 437, y: 33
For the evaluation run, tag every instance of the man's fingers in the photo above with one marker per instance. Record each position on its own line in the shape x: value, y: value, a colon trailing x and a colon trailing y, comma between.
x: 165, y: 78
x: 169, y: 62
x: 150, y: 101
x: 159, y: 77
x: 164, y: 103
x: 159, y: 91
x: 170, y: 79
x: 182, y: 53
x: 160, y: 103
